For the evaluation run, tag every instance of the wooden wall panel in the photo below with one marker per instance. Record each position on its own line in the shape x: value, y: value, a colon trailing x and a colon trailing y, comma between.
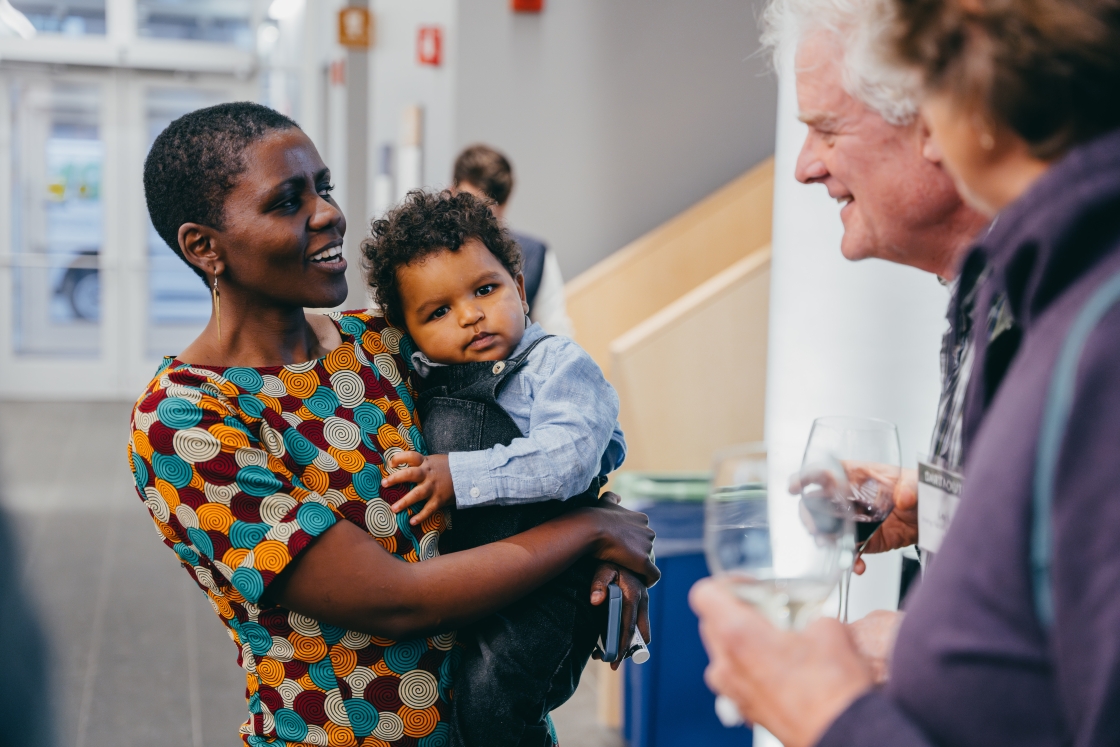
x: 641, y: 279
x: 692, y: 377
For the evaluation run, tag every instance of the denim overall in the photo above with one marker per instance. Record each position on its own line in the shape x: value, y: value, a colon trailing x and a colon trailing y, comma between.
x: 524, y: 661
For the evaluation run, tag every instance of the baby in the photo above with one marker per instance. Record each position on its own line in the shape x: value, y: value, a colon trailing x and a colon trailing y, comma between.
x: 522, y: 426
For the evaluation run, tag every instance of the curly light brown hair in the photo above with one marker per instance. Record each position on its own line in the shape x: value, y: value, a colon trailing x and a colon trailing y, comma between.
x: 426, y: 223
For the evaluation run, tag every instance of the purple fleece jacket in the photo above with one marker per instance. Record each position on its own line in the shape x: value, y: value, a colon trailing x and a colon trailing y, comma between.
x: 972, y: 665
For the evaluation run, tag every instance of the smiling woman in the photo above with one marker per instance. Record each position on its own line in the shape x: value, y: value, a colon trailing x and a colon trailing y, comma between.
x: 259, y: 451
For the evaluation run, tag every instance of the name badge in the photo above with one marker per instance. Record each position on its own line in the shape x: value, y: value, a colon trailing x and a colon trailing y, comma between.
x: 939, y: 493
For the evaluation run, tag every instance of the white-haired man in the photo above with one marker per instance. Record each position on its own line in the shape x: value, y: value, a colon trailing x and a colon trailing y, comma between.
x: 868, y: 147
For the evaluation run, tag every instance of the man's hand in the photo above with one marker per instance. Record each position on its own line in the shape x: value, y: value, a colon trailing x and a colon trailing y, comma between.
x: 794, y: 684
x: 874, y: 638
x: 635, y: 604
x: 900, y: 529
x: 432, y: 478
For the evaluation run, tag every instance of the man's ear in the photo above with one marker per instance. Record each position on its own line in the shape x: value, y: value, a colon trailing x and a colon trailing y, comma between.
x: 198, y: 245
x: 521, y: 291
x: 930, y: 150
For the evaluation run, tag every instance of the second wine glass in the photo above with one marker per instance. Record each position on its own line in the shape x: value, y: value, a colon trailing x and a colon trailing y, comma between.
x: 859, y: 459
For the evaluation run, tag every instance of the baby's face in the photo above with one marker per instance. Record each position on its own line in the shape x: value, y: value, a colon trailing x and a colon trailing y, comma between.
x: 463, y: 306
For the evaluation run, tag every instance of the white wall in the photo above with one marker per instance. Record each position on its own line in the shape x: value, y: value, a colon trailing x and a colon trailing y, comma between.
x: 397, y: 80
x: 845, y: 338
x: 617, y: 114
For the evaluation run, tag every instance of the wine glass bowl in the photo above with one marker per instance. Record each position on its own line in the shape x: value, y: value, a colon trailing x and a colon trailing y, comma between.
x: 779, y: 553
x: 850, y: 469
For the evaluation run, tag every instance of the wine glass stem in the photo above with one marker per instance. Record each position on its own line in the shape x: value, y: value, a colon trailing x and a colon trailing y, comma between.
x: 846, y: 588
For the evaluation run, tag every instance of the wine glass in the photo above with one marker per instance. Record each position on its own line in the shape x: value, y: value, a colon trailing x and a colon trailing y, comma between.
x: 853, y: 464
x: 777, y: 552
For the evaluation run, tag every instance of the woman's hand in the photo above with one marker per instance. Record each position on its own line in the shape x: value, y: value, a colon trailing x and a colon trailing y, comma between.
x: 635, y: 604
x: 624, y: 538
x: 794, y: 684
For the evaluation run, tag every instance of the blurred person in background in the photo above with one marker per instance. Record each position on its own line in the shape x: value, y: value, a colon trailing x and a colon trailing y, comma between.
x: 867, y: 145
x: 1014, y: 636
x: 484, y: 172
x: 25, y: 713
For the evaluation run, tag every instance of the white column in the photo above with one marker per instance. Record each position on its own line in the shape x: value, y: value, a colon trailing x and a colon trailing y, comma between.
x: 846, y: 338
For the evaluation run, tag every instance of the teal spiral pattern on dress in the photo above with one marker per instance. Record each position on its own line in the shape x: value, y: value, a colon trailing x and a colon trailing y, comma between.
x: 315, y: 518
x: 246, y: 378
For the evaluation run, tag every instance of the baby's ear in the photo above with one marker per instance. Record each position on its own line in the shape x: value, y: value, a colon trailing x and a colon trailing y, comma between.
x: 521, y: 291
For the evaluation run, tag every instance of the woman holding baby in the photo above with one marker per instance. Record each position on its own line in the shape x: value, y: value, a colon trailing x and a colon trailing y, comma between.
x: 278, y: 451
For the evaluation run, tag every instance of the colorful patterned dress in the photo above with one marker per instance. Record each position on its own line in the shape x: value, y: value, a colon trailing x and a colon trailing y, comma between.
x: 240, y: 469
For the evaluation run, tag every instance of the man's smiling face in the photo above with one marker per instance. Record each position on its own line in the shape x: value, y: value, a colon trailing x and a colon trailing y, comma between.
x: 892, y: 193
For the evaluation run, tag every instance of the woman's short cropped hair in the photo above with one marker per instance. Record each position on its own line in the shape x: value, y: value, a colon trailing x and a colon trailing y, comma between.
x: 194, y: 165
x: 425, y: 223
x: 1048, y: 69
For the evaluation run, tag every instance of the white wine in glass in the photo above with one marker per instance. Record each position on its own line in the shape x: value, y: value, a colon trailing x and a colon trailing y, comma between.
x: 777, y: 552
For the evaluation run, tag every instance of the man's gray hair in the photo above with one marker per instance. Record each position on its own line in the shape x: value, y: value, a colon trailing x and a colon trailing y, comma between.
x: 861, y: 28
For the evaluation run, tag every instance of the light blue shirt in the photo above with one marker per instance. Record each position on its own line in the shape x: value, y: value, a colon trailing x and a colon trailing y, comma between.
x: 568, y: 414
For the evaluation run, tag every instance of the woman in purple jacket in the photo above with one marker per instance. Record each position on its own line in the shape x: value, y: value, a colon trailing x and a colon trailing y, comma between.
x: 1014, y: 636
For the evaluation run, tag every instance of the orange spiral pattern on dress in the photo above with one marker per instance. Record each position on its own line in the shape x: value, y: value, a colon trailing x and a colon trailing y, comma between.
x: 166, y: 530
x: 371, y: 341
x: 231, y: 439
x: 316, y: 479
x: 270, y: 671
x: 309, y: 684
x: 381, y: 669
x: 375, y: 742
x: 338, y: 735
x: 387, y: 436
x: 351, y: 461
x: 168, y: 492
x: 342, y: 357
x: 434, y: 523
x: 196, y: 479
x: 271, y: 555
x: 345, y: 660
x: 307, y: 649
x: 234, y: 556
x: 142, y: 445
x: 389, y: 543
x: 269, y: 401
x: 419, y: 723
x: 221, y: 605
x: 401, y: 409
x: 301, y: 385
x: 214, y: 517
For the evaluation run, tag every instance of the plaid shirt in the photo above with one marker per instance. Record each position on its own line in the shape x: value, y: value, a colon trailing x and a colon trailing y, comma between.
x: 958, y: 349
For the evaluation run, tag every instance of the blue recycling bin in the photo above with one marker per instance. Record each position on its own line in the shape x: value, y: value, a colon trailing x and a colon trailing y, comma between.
x: 665, y: 701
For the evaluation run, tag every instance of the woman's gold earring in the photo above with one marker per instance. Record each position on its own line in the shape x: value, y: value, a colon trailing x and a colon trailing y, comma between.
x: 987, y: 142
x: 217, y: 307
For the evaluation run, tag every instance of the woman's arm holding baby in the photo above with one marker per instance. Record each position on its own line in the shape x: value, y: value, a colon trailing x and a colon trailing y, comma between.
x: 346, y: 578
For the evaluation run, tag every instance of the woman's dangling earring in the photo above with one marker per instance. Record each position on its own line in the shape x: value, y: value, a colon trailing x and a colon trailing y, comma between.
x: 217, y: 307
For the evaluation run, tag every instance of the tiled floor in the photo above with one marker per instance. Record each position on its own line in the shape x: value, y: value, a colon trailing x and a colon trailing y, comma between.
x: 136, y: 657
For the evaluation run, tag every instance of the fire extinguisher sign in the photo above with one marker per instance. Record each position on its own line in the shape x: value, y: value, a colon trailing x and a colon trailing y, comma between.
x: 429, y: 46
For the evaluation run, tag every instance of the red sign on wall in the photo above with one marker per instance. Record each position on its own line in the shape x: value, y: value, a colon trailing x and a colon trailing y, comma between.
x: 526, y: 6
x: 429, y: 46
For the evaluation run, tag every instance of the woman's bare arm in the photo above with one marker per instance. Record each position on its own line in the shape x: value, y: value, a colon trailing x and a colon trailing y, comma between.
x: 346, y: 578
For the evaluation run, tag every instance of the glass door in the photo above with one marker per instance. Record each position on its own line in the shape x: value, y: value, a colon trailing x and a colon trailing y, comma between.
x: 90, y: 296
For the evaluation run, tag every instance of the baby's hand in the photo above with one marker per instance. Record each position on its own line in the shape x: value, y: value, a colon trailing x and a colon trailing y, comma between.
x: 432, y: 476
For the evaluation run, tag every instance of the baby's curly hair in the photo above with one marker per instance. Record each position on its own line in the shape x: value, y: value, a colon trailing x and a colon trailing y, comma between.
x: 425, y: 223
